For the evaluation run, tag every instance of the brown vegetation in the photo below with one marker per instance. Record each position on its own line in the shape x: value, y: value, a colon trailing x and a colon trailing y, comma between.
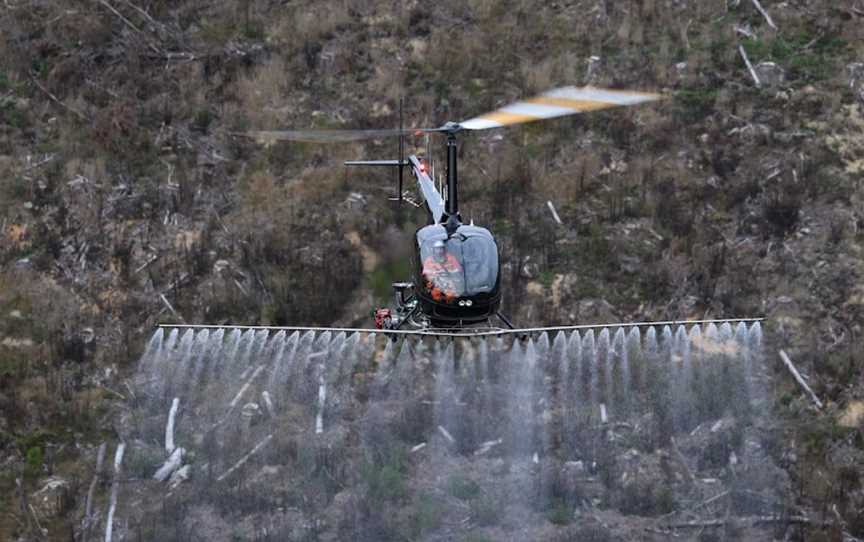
x: 121, y: 180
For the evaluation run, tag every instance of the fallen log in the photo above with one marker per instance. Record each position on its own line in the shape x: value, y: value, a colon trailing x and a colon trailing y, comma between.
x: 682, y: 460
x: 245, y: 458
x: 245, y: 387
x: 752, y: 520
x: 131, y: 25
x: 144, y: 265
x: 268, y: 403
x: 446, y: 434
x: 233, y: 404
x: 147, y: 16
x: 554, y: 212
x: 56, y: 100
x: 749, y: 66
x: 709, y: 501
x: 171, y: 464
x: 800, y: 379
x: 764, y: 13
x: 171, y: 307
x: 179, y: 476
x: 39, y: 528
x: 487, y: 446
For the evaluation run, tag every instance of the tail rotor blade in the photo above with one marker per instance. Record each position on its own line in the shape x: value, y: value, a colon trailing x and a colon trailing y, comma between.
x: 558, y: 103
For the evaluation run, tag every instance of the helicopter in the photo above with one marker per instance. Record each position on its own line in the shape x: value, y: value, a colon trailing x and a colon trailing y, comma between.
x: 456, y: 266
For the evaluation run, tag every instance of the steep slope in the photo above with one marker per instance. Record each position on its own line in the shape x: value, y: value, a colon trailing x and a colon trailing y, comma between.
x: 127, y: 197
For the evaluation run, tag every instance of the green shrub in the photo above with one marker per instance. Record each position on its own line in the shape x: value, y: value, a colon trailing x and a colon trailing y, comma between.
x: 591, y: 533
x: 646, y: 499
x: 426, y: 516
x: 34, y: 461
x: 781, y: 212
x: 462, y: 488
x: 486, y: 510
x: 217, y: 32
x: 384, y: 484
x: 202, y: 120
x: 37, y: 439
x: 559, y: 513
x: 141, y: 463
x: 805, y: 57
x: 382, y: 277
x: 597, y: 249
x: 13, y: 365
x: 253, y: 30
x: 11, y: 115
x: 694, y: 104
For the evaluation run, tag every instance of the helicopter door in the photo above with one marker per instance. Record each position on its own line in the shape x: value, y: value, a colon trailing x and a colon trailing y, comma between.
x: 480, y: 258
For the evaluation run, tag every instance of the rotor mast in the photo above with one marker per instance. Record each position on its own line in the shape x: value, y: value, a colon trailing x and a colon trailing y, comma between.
x: 452, y: 203
x: 452, y: 197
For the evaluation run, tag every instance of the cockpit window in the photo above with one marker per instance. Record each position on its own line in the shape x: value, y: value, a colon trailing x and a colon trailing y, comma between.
x: 480, y: 256
x: 464, y: 265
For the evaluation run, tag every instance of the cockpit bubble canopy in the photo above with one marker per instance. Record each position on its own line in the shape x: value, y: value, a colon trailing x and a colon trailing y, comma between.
x: 470, y: 263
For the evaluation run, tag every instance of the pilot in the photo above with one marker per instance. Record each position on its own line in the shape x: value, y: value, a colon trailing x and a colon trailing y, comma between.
x: 441, y: 271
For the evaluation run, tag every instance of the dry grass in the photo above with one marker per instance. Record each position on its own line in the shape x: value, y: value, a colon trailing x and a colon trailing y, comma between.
x: 543, y: 75
x: 263, y: 95
x: 309, y: 24
x: 262, y: 195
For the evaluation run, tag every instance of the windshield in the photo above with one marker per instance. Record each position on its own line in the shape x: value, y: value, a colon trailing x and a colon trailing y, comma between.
x: 464, y: 265
x: 480, y: 256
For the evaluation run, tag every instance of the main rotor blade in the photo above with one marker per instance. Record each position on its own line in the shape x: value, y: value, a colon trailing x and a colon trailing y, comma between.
x: 558, y: 103
x: 328, y: 136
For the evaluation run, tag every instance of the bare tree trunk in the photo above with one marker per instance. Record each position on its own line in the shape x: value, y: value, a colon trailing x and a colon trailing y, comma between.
x: 169, y: 427
x: 115, y: 487
x: 88, y: 508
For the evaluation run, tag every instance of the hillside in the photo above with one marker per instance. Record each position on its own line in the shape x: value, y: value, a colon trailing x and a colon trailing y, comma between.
x: 129, y: 195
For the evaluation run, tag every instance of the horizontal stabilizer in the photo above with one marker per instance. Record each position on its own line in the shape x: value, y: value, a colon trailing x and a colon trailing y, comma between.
x: 394, y: 163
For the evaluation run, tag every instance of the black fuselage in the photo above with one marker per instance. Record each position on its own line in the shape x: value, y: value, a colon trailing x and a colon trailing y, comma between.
x: 457, y: 274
